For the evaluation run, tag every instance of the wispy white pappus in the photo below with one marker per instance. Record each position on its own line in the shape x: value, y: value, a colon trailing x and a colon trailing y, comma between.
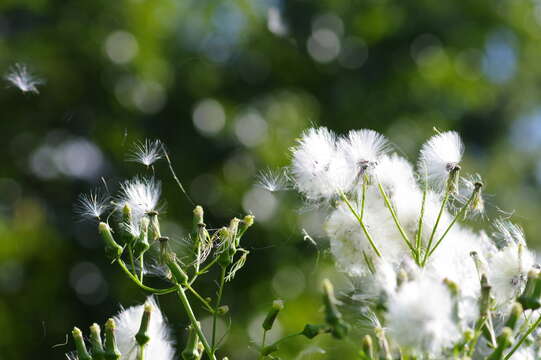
x: 319, y: 170
x: 439, y: 156
x: 146, y: 152
x: 92, y: 205
x: 420, y: 317
x: 140, y: 194
x: 20, y: 77
x: 273, y: 181
x: 363, y: 148
x: 161, y: 344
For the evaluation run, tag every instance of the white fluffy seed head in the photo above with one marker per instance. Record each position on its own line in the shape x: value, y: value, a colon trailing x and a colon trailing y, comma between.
x: 146, y: 152
x: 92, y: 205
x: 318, y: 169
x: 509, y: 271
x: 420, y: 317
x: 363, y: 149
x: 140, y: 194
x: 128, y: 321
x: 439, y: 156
x: 20, y: 77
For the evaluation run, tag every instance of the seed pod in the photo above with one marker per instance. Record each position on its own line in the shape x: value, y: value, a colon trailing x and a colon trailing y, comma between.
x: 277, y: 305
x: 333, y: 317
x: 516, y: 311
x: 141, y: 244
x: 95, y: 340
x: 192, y: 350
x: 154, y: 232
x: 111, y: 349
x: 80, y: 346
x: 530, y: 298
x: 368, y: 346
x: 311, y: 331
x: 142, y: 337
x: 112, y: 249
x: 126, y: 236
x: 179, y: 274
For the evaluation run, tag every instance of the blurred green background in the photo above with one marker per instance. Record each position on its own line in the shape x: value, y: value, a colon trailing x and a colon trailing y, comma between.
x: 228, y: 86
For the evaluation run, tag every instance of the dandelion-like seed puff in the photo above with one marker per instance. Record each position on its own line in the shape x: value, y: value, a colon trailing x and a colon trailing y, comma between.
x: 161, y: 344
x: 146, y: 152
x: 439, y: 156
x: 20, y: 77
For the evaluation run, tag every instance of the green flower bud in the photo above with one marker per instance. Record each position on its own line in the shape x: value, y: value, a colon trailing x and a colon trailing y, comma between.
x: 332, y: 316
x: 222, y: 310
x: 245, y: 224
x: 192, y: 349
x: 142, y: 337
x: 179, y: 274
x: 154, y: 232
x: 112, y: 249
x: 198, y: 218
x: 95, y: 340
x: 111, y: 349
x: 516, y: 311
x: 504, y: 341
x: 126, y: 236
x: 311, y: 331
x: 530, y: 298
x: 141, y: 244
x: 367, y: 347
x: 277, y: 305
x: 80, y: 346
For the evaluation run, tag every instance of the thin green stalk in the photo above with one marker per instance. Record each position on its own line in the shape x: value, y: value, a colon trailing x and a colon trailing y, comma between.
x: 361, y: 222
x: 395, y: 218
x: 363, y: 198
x: 418, y: 242
x: 517, y: 345
x: 264, y: 338
x: 199, y: 297
x: 195, y: 323
x: 132, y: 261
x: 141, y: 353
x: 218, y: 300
x: 431, y: 239
x: 457, y: 216
x: 141, y: 263
x: 141, y: 285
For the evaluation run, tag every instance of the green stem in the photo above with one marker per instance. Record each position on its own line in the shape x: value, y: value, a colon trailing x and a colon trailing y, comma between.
x: 457, y: 216
x: 132, y: 261
x: 218, y: 300
x: 195, y: 323
x: 141, y: 263
x: 431, y: 239
x: 199, y: 297
x: 141, y: 353
x: 418, y: 242
x: 143, y: 286
x: 517, y: 345
x: 363, y: 198
x: 395, y: 218
x: 264, y: 339
x: 361, y: 222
